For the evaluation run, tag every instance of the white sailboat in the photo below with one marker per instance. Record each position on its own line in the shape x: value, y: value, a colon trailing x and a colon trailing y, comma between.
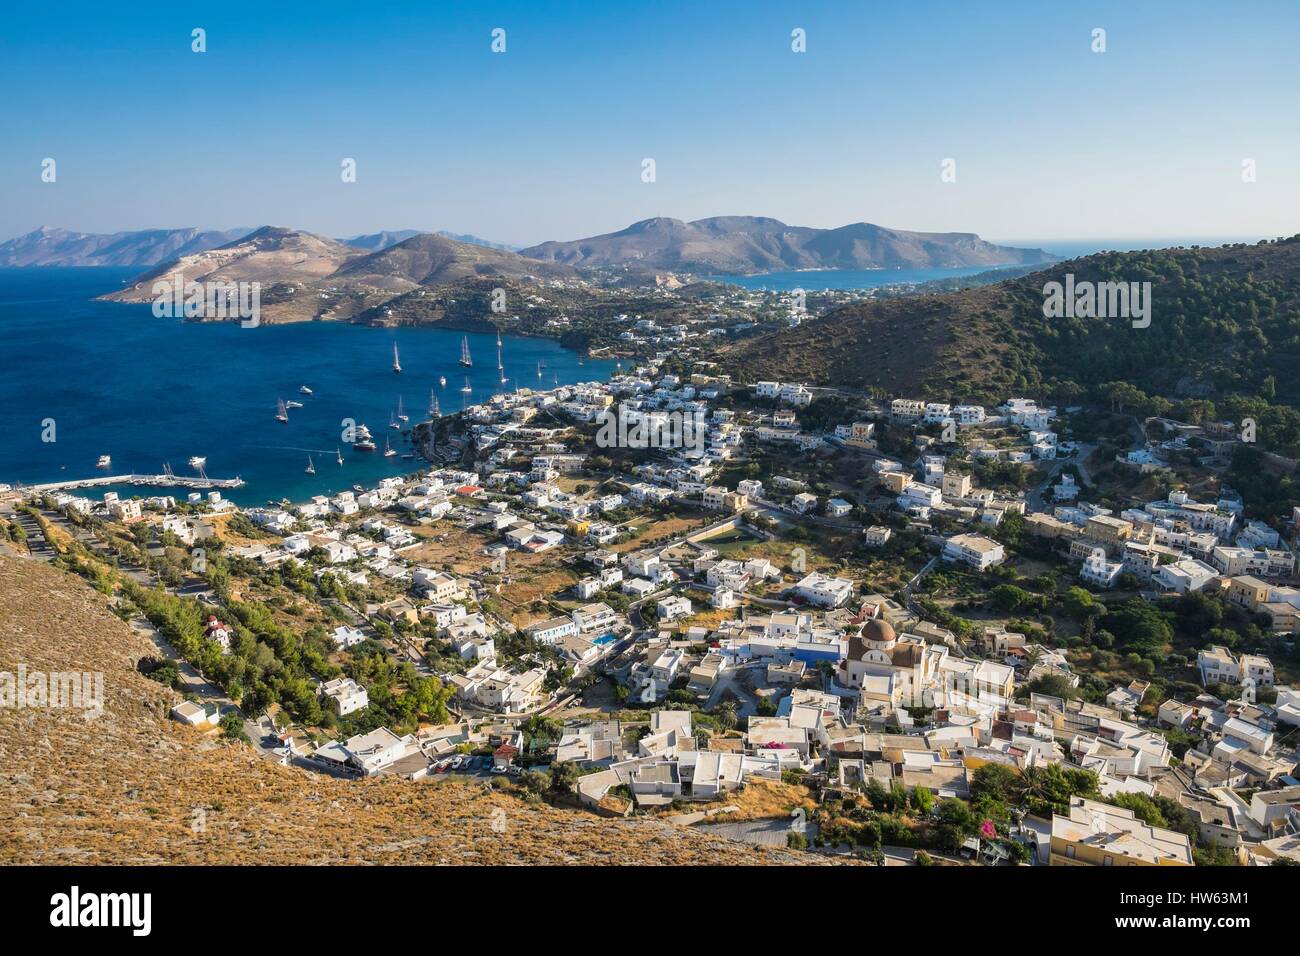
x: 388, y: 449
x: 339, y: 452
x: 397, y: 362
x: 465, y: 359
x: 434, y: 410
x: 466, y: 389
x: 401, y: 414
x: 539, y: 369
x: 500, y: 367
x: 281, y: 413
x: 311, y: 466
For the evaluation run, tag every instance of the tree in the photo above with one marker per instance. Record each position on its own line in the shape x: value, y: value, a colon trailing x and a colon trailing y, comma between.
x: 564, y: 776
x: 922, y: 800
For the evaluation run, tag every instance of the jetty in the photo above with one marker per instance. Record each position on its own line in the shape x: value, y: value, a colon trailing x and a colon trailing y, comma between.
x: 157, y: 481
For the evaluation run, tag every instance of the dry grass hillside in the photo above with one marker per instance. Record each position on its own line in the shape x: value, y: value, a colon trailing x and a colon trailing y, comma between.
x: 123, y: 788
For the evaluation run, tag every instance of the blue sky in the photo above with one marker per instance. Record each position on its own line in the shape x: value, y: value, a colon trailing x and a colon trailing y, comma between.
x: 545, y: 141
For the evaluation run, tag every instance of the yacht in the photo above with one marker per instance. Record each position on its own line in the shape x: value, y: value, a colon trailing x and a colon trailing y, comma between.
x: 304, y: 389
x: 442, y: 381
x: 292, y: 404
x: 198, y: 462
x: 105, y: 461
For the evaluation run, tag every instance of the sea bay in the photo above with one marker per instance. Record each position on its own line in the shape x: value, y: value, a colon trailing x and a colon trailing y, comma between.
x: 116, y: 380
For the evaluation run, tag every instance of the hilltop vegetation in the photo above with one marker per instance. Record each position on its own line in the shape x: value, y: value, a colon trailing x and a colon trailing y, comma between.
x: 1223, y: 342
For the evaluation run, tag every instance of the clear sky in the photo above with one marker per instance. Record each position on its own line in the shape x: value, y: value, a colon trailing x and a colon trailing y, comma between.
x: 546, y: 140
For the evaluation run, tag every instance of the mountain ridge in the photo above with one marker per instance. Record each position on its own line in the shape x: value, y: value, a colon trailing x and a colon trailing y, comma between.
x: 739, y: 245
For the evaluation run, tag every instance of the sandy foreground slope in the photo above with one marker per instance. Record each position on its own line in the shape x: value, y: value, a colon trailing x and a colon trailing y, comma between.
x: 124, y: 788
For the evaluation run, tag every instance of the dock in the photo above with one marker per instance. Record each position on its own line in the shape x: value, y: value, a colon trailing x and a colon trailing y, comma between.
x: 157, y: 481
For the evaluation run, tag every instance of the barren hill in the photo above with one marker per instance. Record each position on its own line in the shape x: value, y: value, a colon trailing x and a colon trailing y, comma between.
x: 47, y: 246
x: 124, y: 787
x: 736, y: 245
x: 429, y: 259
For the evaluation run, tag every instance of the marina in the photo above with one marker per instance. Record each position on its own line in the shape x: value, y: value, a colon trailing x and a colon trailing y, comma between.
x: 151, y: 481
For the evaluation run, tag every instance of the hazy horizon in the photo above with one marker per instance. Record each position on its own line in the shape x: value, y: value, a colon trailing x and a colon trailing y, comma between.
x: 547, y: 139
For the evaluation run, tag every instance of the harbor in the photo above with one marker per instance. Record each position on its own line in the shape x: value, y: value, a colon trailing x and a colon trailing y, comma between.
x: 155, y: 481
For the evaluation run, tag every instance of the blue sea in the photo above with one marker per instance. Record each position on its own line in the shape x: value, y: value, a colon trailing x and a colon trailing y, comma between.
x: 147, y: 391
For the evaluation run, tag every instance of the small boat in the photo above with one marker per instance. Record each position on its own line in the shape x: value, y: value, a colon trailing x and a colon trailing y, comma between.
x: 105, y: 461
x: 198, y: 462
x: 281, y: 413
x: 465, y: 359
x: 292, y: 404
x: 397, y: 362
x: 338, y: 451
x: 442, y: 381
x: 409, y: 455
x: 304, y: 389
x: 311, y: 466
x: 388, y: 449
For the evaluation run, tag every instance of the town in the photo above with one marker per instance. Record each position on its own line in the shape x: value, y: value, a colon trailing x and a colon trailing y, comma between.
x: 900, y: 630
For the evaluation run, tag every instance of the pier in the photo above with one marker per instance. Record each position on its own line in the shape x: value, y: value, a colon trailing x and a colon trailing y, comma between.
x: 157, y: 481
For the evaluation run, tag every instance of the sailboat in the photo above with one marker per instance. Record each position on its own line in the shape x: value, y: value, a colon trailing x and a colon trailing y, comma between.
x: 388, y: 449
x: 393, y: 422
x: 434, y: 410
x: 466, y: 390
x: 339, y: 452
x: 465, y: 360
x: 397, y: 362
x: 311, y: 466
x: 539, y: 369
x: 401, y: 415
x: 500, y: 367
x: 281, y: 413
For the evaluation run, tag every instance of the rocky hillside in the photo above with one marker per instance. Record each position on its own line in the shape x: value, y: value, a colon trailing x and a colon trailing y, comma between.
x: 140, y: 249
x: 737, y: 245
x: 124, y: 787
